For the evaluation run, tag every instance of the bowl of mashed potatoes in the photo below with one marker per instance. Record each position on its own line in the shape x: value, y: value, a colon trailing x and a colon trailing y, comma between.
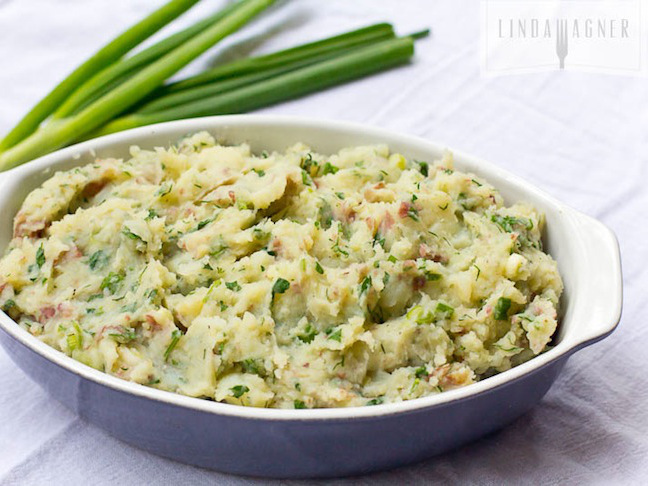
x: 294, y: 291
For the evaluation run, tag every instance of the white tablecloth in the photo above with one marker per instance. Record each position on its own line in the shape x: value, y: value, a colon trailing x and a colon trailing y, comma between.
x: 581, y: 137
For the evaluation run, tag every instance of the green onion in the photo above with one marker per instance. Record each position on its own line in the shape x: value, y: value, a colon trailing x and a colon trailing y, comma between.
x: 501, y: 308
x: 239, y: 390
x: 356, y: 64
x: 211, y: 83
x: 58, y: 134
x: 366, y: 35
x: 110, y: 77
x: 104, y: 57
x: 175, y: 337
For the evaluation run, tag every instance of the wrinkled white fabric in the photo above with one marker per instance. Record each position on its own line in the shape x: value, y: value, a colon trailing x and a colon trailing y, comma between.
x: 581, y: 137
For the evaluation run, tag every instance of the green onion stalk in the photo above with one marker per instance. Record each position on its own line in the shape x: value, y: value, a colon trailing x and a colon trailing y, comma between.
x: 59, y: 133
x: 104, y: 57
x: 355, y: 64
x: 243, y: 72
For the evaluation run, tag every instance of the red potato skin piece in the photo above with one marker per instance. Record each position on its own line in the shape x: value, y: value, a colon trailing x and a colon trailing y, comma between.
x: 46, y: 313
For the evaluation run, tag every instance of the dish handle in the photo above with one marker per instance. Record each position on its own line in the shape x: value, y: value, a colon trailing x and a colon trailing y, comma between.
x: 601, y: 282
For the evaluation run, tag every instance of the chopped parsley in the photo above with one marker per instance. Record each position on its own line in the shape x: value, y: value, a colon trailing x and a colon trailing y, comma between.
x: 334, y: 335
x: 40, y: 256
x: 508, y: 223
x: 423, y: 167
x: 420, y: 372
x: 203, y: 223
x: 412, y: 213
x: 318, y: 268
x: 308, y: 335
x: 280, y: 286
x: 164, y: 190
x: 375, y: 401
x: 250, y: 365
x: 9, y: 304
x: 98, y: 260
x: 325, y: 215
x: 112, y: 282
x: 125, y: 336
x: 233, y: 286
x: 299, y: 404
x: 131, y: 235
x: 364, y: 286
x: 329, y: 169
x: 239, y: 390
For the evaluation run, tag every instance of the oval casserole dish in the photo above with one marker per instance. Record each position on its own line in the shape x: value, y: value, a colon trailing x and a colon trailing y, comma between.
x: 321, y: 442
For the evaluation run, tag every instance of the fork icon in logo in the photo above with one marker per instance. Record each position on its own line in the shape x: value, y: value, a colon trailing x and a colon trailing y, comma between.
x: 562, y: 41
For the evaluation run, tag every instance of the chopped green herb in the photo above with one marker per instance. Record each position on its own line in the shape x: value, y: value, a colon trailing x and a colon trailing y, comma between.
x: 431, y: 276
x: 280, y: 286
x: 234, y: 286
x: 203, y: 223
x: 307, y: 163
x: 111, y: 282
x: 98, y: 260
x: 318, y: 268
x: 444, y: 310
x: 334, y: 335
x: 299, y: 404
x: 477, y: 183
x: 239, y: 390
x: 329, y: 169
x: 218, y: 251
x: 412, y: 213
x: 126, y: 335
x: 175, y: 337
x: 375, y: 401
x: 259, y: 172
x: 306, y: 180
x: 250, y: 366
x: 132, y: 235
x: 152, y: 213
x: 40, y: 256
x: 308, y: 335
x: 325, y: 215
x: 364, y: 286
x: 9, y: 304
x: 392, y: 259
x: 501, y: 308
x: 420, y: 372
x: 340, y: 195
x: 508, y: 223
x: 337, y: 249
x: 423, y: 167
x: 164, y: 190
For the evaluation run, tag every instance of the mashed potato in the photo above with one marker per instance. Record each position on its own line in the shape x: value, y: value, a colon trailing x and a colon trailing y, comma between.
x: 291, y: 280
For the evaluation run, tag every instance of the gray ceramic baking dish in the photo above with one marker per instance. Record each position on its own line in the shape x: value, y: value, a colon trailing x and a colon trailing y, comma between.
x: 321, y: 442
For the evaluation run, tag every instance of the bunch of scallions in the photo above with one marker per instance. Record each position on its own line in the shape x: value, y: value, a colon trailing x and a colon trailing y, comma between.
x: 112, y: 91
